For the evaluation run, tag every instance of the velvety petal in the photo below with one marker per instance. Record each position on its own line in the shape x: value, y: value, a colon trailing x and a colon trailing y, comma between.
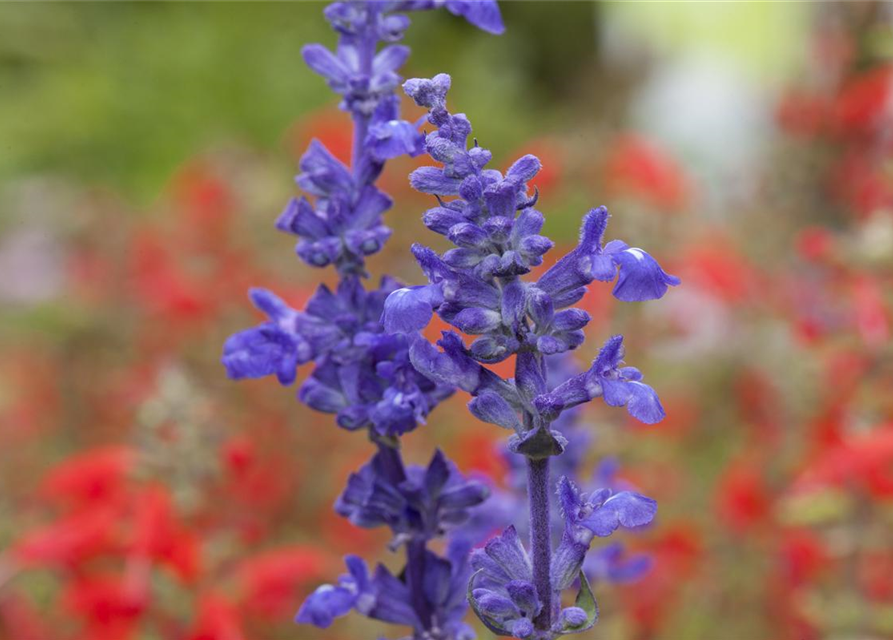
x: 567, y: 560
x: 521, y: 627
x: 463, y: 258
x: 326, y: 64
x: 466, y: 495
x: 299, y: 218
x: 474, y: 320
x: 390, y: 59
x: 571, y: 617
x: 271, y: 304
x: 370, y: 204
x: 484, y: 14
x: 529, y: 222
x: 410, y: 309
x: 603, y: 267
x: 468, y: 291
x: 432, y: 180
x: 323, y: 173
x: 535, y: 246
x: 540, y: 307
x: 466, y: 234
x: 506, y: 550
x: 437, y: 473
x: 624, y: 509
x: 570, y: 320
x: 609, y: 356
x: 524, y: 168
x: 501, y: 198
x: 443, y: 367
x: 492, y: 408
x: 523, y: 594
x: 514, y: 302
x: 263, y: 351
x: 392, y: 599
x: 394, y: 138
x: 569, y: 499
x: 366, y: 242
x: 493, y: 605
x: 324, y: 605
x: 568, y: 394
x: 616, y: 393
x: 321, y: 397
x: 491, y: 349
x: 644, y: 405
x: 570, y: 273
x: 441, y: 220
x: 529, y: 375
x: 641, y: 278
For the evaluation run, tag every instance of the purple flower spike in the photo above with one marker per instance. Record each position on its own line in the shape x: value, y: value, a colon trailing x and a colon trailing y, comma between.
x: 360, y: 350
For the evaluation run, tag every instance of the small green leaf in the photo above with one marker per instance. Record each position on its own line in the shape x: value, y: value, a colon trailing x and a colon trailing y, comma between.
x: 586, y: 601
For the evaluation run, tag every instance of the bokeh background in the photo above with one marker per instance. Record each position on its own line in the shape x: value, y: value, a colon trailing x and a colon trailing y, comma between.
x: 145, y: 151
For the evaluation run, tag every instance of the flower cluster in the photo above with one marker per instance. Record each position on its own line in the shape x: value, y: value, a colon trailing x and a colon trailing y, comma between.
x: 610, y: 563
x: 383, y: 596
x: 423, y: 505
x: 363, y: 372
x: 477, y: 287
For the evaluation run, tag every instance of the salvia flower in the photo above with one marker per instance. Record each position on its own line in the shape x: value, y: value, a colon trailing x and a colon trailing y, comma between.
x: 503, y: 595
x: 383, y: 596
x: 423, y: 504
x: 618, y: 386
x: 586, y: 516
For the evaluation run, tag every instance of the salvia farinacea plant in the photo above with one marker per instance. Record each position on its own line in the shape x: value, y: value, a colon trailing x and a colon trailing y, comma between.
x: 375, y: 373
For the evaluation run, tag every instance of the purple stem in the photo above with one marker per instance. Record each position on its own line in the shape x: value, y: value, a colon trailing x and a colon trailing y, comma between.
x: 390, y: 456
x: 395, y: 470
x: 540, y: 537
x: 368, y: 42
x: 392, y: 462
x: 415, y: 579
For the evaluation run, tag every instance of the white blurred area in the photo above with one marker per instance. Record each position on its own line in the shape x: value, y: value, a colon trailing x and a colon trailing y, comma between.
x: 712, y: 72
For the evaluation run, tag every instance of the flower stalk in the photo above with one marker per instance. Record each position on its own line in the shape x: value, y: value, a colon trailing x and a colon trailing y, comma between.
x: 540, y: 537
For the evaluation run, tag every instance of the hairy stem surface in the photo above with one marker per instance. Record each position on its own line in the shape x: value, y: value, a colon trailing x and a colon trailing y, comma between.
x: 540, y: 537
